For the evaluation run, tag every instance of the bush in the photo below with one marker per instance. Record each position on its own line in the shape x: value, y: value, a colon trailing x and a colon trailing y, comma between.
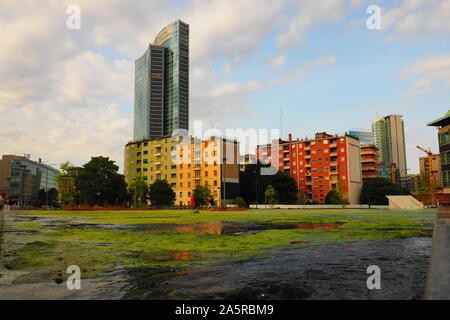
x: 240, y: 202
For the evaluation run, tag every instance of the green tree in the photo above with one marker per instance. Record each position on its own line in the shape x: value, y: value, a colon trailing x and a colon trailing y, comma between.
x: 201, y: 195
x: 253, y: 185
x: 138, y: 190
x: 240, y: 202
x: 335, y: 197
x: 63, y: 177
x: 374, y: 191
x: 285, y: 186
x: 99, y: 183
x: 161, y: 194
x: 271, y: 195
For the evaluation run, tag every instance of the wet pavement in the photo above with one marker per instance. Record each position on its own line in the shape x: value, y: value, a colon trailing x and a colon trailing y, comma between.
x: 317, y: 273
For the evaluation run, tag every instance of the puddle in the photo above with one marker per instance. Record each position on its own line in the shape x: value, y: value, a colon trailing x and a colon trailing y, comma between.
x: 209, y: 227
x: 164, y: 256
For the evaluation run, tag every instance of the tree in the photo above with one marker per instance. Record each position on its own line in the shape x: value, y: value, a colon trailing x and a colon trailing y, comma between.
x: 285, y: 186
x: 271, y: 195
x: 202, y: 195
x: 66, y: 181
x: 240, y: 202
x: 374, y: 191
x: 161, y: 194
x: 253, y: 185
x: 138, y: 190
x: 335, y: 197
x: 99, y: 182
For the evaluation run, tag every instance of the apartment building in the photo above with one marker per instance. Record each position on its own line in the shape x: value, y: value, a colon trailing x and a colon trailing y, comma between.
x: 186, y: 165
x: 369, y: 162
x: 319, y: 165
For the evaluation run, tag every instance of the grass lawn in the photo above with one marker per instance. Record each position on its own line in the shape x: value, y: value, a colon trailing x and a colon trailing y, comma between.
x: 101, y: 241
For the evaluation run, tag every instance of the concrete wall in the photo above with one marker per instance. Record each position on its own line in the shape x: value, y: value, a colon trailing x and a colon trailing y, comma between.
x: 355, y: 181
x: 293, y: 206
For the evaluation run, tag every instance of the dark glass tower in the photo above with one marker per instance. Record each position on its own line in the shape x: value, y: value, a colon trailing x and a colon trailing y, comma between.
x: 161, y: 91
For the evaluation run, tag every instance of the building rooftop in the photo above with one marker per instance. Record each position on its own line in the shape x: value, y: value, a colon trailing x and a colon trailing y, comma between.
x: 441, y: 122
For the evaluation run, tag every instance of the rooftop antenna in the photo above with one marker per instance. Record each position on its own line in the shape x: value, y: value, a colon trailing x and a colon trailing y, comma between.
x: 281, y: 123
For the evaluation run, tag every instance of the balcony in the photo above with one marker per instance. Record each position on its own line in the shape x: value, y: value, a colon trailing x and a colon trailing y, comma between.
x: 307, y: 148
x: 333, y: 154
x: 308, y: 156
x: 368, y: 161
x: 286, y: 150
x: 369, y: 169
x: 308, y: 174
x: 334, y: 164
x: 308, y: 183
x: 368, y: 153
x: 334, y: 173
x: 197, y: 178
x: 333, y: 145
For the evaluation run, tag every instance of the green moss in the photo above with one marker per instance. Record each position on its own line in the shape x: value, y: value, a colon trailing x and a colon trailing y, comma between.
x: 98, y: 251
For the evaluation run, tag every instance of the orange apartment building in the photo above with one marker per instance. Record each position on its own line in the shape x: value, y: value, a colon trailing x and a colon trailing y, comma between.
x: 369, y: 162
x: 319, y: 165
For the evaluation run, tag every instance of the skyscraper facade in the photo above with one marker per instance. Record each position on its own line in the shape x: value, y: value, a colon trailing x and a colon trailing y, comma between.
x: 389, y: 133
x: 365, y: 136
x: 161, y: 91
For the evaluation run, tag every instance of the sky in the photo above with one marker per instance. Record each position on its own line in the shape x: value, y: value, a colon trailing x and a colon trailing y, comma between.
x: 67, y: 94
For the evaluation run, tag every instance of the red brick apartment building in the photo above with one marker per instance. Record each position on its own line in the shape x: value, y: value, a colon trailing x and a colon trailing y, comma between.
x: 320, y: 165
x: 369, y: 161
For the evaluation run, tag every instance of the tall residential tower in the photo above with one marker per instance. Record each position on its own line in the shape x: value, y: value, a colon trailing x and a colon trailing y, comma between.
x: 161, y: 90
x: 389, y: 135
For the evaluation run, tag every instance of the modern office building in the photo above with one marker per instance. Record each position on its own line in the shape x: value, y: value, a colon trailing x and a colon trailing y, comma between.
x: 389, y: 133
x: 369, y: 162
x: 365, y: 136
x: 319, y: 165
x: 161, y: 90
x: 443, y: 125
x: 21, y: 179
x: 184, y: 168
x: 435, y: 169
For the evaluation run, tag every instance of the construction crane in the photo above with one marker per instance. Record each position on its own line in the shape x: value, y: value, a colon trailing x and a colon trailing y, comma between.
x: 430, y: 163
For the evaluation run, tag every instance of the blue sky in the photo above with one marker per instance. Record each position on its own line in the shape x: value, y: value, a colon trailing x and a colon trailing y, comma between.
x: 316, y: 60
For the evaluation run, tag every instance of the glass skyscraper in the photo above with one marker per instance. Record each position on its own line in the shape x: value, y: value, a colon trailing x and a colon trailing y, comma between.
x: 161, y: 90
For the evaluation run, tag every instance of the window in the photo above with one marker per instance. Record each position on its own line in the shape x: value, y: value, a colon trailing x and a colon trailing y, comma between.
x: 446, y: 178
x: 444, y: 138
x: 145, y: 160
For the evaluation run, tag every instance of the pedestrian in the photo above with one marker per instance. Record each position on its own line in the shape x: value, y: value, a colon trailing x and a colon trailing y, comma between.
x: 193, y: 204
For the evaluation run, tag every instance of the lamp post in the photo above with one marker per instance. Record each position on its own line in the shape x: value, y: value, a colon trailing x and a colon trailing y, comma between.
x: 224, y: 205
x: 256, y: 187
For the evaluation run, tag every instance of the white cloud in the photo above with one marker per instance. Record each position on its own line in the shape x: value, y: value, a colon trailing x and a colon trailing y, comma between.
x: 430, y: 74
x: 310, y: 14
x: 277, y: 61
x: 414, y: 18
